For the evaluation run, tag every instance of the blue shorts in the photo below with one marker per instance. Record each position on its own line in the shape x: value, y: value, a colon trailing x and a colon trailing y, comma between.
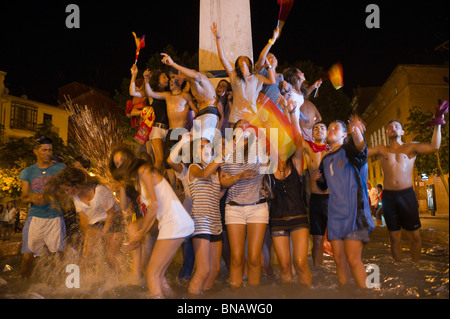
x: 285, y: 232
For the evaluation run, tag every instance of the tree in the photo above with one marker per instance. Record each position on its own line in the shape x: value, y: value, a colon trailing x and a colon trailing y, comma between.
x: 434, y: 163
x: 17, y: 154
x: 22, y: 149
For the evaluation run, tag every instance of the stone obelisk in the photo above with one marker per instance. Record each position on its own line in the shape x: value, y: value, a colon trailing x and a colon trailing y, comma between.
x: 234, y: 24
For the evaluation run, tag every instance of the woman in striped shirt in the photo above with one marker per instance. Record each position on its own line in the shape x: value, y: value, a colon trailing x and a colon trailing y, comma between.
x: 204, y: 186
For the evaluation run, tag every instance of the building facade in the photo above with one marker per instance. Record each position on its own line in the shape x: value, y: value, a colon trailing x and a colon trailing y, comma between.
x: 20, y: 117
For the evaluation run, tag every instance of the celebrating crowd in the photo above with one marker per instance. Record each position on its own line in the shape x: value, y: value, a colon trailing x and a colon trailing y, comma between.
x: 219, y: 196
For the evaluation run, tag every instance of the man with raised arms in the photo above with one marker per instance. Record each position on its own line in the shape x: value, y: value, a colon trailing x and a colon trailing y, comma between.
x: 204, y: 92
x: 400, y: 206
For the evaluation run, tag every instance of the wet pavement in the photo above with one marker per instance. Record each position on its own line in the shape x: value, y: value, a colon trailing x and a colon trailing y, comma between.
x: 427, y: 279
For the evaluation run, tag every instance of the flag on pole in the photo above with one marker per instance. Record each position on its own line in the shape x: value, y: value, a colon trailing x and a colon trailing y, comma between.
x: 140, y: 43
x: 285, y: 9
x: 336, y: 76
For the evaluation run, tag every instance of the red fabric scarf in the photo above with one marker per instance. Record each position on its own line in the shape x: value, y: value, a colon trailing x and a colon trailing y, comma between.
x: 318, y: 147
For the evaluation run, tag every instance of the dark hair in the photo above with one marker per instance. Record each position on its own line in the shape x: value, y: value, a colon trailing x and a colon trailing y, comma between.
x: 226, y: 107
x: 129, y: 168
x: 154, y: 81
x: 291, y: 76
x: 394, y: 120
x: 237, y: 122
x: 238, y: 69
x: 344, y: 127
x: 319, y: 123
x: 69, y: 176
x: 72, y: 176
x: 194, y: 157
x: 42, y: 140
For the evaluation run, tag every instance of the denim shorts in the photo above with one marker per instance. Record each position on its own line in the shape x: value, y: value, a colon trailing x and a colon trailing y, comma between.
x: 285, y: 232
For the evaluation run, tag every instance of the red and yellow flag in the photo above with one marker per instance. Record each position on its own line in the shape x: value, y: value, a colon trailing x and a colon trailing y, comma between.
x: 140, y: 43
x: 270, y: 117
x: 336, y: 75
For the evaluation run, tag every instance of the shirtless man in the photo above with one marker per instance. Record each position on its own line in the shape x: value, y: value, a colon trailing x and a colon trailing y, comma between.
x: 400, y: 206
x: 318, y: 203
x: 204, y: 92
x: 178, y: 104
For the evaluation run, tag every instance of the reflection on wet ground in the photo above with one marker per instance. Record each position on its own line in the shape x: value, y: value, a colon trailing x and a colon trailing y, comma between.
x: 428, y: 279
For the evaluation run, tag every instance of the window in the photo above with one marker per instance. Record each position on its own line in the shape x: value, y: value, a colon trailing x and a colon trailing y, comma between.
x: 23, y: 117
x: 48, y: 119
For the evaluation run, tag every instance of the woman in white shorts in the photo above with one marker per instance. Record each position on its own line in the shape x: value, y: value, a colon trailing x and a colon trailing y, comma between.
x: 246, y: 213
x: 174, y: 223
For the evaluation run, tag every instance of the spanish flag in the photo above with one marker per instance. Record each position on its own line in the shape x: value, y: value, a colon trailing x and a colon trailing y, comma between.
x: 140, y: 43
x: 281, y: 136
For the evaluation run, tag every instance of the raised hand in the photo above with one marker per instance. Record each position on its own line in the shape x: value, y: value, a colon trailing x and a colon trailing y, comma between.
x: 167, y: 59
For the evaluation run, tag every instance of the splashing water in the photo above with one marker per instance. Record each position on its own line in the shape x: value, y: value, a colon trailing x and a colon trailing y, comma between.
x: 94, y: 135
x: 427, y: 279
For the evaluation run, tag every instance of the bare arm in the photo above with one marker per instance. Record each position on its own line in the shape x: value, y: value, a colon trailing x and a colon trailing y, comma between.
x: 83, y: 220
x: 205, y: 173
x: 178, y: 167
x: 291, y: 111
x: 227, y: 66
x: 227, y: 180
x: 123, y: 199
x: 149, y: 91
x: 311, y: 88
x: 109, y: 219
x: 271, y: 79
x: 29, y: 197
x: 422, y: 148
x: 133, y: 92
x: 146, y: 180
x: 190, y: 73
x: 357, y: 128
x: 373, y: 151
x: 137, y: 233
x: 262, y: 56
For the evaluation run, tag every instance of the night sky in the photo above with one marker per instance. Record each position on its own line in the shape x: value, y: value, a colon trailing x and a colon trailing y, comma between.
x: 40, y: 54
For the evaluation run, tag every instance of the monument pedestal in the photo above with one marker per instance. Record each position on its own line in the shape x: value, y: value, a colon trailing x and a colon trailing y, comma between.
x: 234, y: 24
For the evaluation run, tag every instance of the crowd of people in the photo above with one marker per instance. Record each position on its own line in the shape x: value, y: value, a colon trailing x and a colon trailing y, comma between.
x: 218, y: 204
x: 10, y: 220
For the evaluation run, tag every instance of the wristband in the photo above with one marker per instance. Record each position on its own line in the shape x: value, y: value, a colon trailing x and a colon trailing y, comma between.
x: 271, y: 42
